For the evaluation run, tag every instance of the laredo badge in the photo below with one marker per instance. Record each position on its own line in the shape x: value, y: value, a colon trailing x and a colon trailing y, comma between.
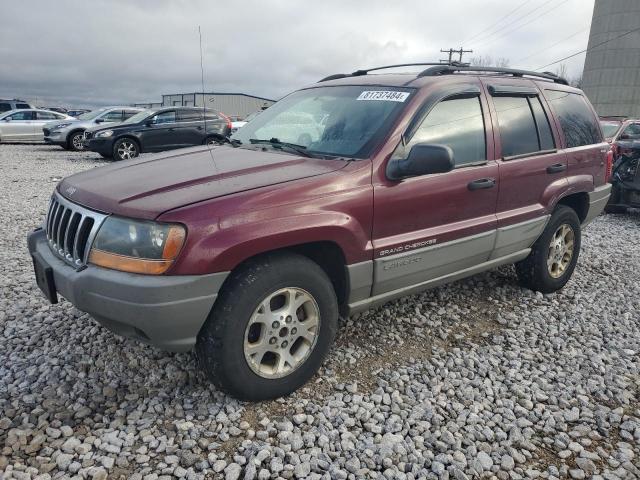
x: 383, y: 95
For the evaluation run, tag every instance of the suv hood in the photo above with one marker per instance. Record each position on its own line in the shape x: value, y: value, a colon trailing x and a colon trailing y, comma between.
x: 151, y: 185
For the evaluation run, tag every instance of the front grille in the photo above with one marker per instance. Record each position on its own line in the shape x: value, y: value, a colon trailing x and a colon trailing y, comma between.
x: 71, y: 229
x: 46, y: 132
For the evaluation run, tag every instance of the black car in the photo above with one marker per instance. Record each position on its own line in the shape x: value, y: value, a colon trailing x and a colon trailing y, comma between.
x: 625, y: 177
x: 158, y: 130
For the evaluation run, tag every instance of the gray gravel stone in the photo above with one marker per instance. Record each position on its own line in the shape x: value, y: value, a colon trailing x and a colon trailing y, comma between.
x: 477, y: 378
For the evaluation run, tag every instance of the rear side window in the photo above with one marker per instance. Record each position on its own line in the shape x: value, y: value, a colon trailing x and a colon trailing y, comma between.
x: 22, y: 105
x: 47, y: 116
x: 524, y: 127
x: 458, y: 123
x: 5, y: 107
x: 189, y: 115
x: 211, y: 115
x: 578, y: 122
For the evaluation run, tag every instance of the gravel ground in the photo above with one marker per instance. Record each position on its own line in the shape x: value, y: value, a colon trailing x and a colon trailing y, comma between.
x: 477, y: 379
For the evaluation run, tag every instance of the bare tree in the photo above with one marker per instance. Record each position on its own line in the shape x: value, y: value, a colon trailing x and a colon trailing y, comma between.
x: 561, y: 71
x: 489, y: 61
x: 576, y: 81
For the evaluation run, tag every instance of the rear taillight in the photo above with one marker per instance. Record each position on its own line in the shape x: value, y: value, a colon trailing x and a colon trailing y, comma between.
x: 609, y: 165
x: 227, y: 119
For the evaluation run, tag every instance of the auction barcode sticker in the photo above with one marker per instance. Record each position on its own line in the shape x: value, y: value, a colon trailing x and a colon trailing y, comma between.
x: 383, y: 95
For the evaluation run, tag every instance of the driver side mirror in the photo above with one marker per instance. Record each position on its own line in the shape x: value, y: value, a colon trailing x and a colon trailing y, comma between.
x: 423, y: 159
x: 99, y: 120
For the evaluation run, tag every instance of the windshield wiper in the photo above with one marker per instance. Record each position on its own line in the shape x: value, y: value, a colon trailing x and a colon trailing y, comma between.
x: 299, y: 149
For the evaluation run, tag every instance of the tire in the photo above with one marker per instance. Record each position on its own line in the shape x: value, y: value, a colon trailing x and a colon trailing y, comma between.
x: 225, y: 342
x: 74, y: 141
x: 213, y: 140
x: 125, y: 149
x: 534, y: 272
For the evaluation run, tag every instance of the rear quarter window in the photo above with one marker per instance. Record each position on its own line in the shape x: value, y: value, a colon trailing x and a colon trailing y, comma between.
x: 578, y: 122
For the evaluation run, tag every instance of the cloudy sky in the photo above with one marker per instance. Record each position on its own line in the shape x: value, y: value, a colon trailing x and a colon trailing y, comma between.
x: 81, y: 53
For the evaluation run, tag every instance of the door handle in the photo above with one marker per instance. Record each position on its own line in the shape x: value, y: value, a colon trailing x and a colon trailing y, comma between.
x: 556, y: 168
x: 482, y: 183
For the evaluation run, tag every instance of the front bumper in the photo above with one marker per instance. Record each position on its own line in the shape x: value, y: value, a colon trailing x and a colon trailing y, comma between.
x: 597, y: 201
x: 165, y: 311
x: 103, y: 146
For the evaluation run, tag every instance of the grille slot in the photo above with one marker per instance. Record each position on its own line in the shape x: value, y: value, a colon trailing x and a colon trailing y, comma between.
x: 71, y: 229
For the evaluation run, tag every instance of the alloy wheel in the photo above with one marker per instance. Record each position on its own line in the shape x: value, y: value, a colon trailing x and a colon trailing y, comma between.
x: 560, y: 250
x: 127, y: 150
x: 282, y: 332
x: 76, y: 140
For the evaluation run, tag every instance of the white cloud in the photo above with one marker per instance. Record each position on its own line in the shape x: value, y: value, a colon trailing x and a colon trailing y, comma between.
x: 89, y: 53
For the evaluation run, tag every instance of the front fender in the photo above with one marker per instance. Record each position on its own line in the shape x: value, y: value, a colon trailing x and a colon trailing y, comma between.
x: 231, y: 244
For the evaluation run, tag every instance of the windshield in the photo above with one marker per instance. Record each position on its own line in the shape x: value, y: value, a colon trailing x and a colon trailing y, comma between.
x: 91, y: 115
x: 251, y: 116
x: 610, y: 128
x: 336, y: 121
x: 138, y: 117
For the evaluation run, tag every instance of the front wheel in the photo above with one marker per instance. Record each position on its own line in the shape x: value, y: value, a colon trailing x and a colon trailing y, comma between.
x: 554, y: 255
x: 125, y: 149
x: 75, y: 142
x: 270, y: 328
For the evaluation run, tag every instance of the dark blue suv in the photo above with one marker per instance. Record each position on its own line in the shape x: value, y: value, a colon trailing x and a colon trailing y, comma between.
x: 158, y: 130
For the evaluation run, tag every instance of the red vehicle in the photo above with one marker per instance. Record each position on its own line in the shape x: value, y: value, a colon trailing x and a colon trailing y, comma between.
x: 343, y: 195
x: 624, y: 135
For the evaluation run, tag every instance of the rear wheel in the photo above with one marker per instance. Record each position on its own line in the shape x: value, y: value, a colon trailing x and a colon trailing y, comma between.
x: 270, y: 328
x: 554, y: 255
x: 75, y: 141
x: 125, y: 149
x: 214, y: 140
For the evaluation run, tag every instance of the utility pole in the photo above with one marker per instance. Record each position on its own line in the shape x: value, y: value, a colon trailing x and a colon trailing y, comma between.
x: 451, y: 51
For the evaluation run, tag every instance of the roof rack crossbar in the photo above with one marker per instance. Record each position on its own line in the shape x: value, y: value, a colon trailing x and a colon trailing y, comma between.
x: 358, y: 73
x: 448, y: 68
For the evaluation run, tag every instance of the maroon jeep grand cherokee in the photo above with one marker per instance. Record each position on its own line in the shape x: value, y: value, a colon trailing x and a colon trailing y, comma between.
x: 343, y: 195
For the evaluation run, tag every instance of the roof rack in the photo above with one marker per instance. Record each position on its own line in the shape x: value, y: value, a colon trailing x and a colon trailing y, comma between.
x: 441, y: 68
x: 447, y: 69
x: 358, y: 73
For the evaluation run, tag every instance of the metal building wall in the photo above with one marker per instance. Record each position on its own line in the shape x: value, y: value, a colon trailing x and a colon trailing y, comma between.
x: 611, y: 77
x: 233, y: 105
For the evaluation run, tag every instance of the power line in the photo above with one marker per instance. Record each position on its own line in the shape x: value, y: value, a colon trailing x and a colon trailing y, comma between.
x: 551, y: 46
x: 589, y: 49
x: 546, y: 12
x: 490, y: 27
x: 483, y: 38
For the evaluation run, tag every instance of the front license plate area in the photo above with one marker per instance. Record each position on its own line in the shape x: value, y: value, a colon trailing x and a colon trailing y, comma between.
x: 44, y: 277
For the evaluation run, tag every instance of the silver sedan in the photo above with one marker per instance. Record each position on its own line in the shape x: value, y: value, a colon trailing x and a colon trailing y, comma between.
x: 26, y: 125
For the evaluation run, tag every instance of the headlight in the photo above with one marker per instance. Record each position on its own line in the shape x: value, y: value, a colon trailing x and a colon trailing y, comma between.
x: 137, y: 246
x: 62, y: 125
x: 106, y: 133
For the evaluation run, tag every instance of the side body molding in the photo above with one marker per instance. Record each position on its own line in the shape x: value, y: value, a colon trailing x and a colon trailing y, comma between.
x: 378, y: 281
